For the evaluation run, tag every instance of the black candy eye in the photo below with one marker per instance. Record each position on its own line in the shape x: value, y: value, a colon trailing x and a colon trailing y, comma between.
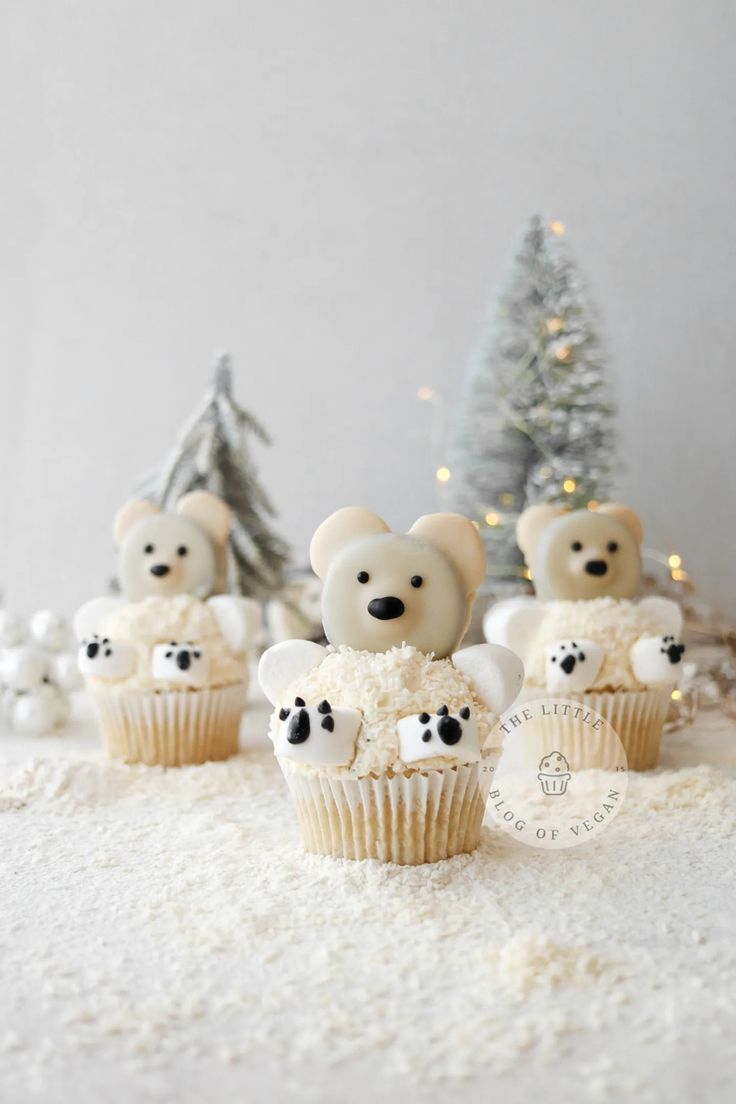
x: 576, y: 546
x: 416, y: 580
x: 612, y: 546
x: 363, y: 576
x: 182, y: 550
x: 149, y: 549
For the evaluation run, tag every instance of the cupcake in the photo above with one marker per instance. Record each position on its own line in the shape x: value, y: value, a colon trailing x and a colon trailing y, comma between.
x: 168, y: 670
x: 585, y: 637
x: 554, y: 773
x: 382, y: 735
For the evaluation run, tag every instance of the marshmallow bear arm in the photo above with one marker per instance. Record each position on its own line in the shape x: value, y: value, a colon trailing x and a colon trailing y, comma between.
x: 239, y: 619
x: 666, y: 612
x: 514, y: 624
x: 90, y: 617
x: 572, y: 665
x: 495, y: 673
x: 655, y: 660
x: 423, y: 736
x: 317, y: 735
x: 283, y: 663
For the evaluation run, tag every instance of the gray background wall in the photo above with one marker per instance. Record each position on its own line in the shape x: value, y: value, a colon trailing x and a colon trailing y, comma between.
x: 332, y: 190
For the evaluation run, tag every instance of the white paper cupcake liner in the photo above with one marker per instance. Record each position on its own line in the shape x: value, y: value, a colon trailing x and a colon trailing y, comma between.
x: 636, y: 716
x: 411, y: 818
x: 171, y: 728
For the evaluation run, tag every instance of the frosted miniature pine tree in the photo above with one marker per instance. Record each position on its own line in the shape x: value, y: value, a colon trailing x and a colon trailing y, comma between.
x: 212, y: 454
x: 535, y: 421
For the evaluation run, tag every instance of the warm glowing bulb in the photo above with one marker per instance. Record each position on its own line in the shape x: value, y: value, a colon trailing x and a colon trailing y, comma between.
x: 563, y: 353
x: 526, y: 574
x: 679, y: 575
x: 557, y: 227
x: 676, y: 695
x: 593, y: 504
x: 554, y: 325
x: 491, y: 518
x: 443, y: 475
x: 506, y: 499
x: 568, y: 485
x: 675, y: 560
x: 425, y: 394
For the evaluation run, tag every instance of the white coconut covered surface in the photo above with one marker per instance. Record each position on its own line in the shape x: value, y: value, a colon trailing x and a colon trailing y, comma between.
x: 613, y: 623
x: 155, y: 621
x: 163, y: 937
x: 384, y: 687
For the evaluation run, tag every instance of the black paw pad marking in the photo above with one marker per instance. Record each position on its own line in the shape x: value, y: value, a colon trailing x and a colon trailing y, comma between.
x: 672, y: 649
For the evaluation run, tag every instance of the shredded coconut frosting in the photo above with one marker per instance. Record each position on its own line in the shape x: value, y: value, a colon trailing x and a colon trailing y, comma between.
x: 384, y: 687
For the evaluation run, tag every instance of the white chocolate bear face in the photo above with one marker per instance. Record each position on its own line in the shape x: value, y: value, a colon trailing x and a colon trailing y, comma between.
x: 382, y: 590
x: 581, y: 554
x: 163, y: 554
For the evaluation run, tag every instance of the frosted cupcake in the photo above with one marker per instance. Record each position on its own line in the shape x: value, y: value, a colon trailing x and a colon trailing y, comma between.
x: 381, y: 737
x: 585, y: 638
x: 168, y: 671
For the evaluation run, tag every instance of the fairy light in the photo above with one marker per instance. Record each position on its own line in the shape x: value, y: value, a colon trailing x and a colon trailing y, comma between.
x: 526, y: 574
x: 568, y: 485
x: 674, y: 560
x: 492, y: 518
x: 443, y: 475
x: 426, y: 394
x: 593, y: 504
x: 563, y: 353
x: 506, y: 499
x: 676, y: 695
x: 557, y: 227
x: 554, y: 325
x: 679, y: 575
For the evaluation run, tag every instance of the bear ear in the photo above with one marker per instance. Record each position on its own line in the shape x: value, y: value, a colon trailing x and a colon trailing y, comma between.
x: 532, y: 523
x: 129, y: 514
x: 340, y: 529
x: 459, y: 542
x: 627, y: 517
x: 210, y: 513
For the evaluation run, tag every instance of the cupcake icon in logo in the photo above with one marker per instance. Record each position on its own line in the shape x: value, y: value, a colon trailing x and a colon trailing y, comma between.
x: 554, y: 773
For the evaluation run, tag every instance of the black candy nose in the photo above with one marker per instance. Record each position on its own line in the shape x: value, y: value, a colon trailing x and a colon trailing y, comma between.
x: 298, y: 730
x: 160, y: 570
x: 386, y: 609
x: 449, y: 730
x: 92, y: 649
x: 596, y: 567
x: 183, y: 661
x: 568, y: 664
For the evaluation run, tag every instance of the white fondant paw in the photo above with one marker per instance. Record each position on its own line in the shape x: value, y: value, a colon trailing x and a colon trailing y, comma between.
x: 318, y: 735
x: 103, y: 658
x: 424, y: 735
x: 283, y: 663
x: 239, y: 619
x: 655, y: 660
x: 495, y: 673
x: 187, y: 664
x: 572, y: 664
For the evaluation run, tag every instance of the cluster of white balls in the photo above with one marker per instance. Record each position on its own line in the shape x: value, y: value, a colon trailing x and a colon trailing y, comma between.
x: 38, y: 670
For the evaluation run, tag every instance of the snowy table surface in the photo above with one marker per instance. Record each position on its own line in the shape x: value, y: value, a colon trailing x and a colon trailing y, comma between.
x: 163, y: 937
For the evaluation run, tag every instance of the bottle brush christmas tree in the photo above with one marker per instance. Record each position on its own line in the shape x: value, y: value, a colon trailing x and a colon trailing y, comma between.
x: 535, y: 421
x: 212, y: 454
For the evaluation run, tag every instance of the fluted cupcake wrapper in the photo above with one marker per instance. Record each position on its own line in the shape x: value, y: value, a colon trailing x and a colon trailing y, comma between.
x: 636, y: 716
x: 410, y: 818
x: 171, y: 728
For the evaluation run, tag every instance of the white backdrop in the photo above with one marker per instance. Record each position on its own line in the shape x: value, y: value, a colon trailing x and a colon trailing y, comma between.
x: 332, y: 191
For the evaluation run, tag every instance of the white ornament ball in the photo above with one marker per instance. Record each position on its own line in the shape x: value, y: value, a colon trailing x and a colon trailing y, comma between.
x: 50, y: 631
x: 12, y: 630
x: 37, y: 712
x: 65, y: 671
x: 24, y: 668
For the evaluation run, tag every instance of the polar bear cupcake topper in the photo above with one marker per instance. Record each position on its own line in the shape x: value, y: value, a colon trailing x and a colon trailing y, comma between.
x: 383, y: 589
x: 581, y: 554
